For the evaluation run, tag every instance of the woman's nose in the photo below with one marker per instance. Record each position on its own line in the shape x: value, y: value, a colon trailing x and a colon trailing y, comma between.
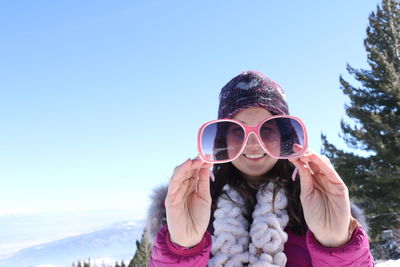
x: 252, y: 141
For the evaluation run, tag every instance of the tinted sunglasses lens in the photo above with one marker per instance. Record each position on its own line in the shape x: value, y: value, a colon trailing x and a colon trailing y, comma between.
x: 221, y: 140
x: 279, y: 135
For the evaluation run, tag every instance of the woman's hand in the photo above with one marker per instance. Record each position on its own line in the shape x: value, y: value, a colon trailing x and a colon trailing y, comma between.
x: 325, y: 199
x: 188, y: 202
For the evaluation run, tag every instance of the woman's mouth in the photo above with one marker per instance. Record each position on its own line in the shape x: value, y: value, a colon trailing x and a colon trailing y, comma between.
x: 254, y: 156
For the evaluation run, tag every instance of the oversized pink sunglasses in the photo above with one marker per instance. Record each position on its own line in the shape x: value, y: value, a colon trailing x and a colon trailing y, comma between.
x: 280, y: 136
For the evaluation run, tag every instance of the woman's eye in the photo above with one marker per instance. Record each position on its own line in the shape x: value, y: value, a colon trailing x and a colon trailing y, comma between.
x: 266, y: 129
x: 236, y: 131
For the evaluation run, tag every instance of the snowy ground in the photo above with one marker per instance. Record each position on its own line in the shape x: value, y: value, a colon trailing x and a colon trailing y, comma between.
x: 389, y: 263
x: 99, y: 262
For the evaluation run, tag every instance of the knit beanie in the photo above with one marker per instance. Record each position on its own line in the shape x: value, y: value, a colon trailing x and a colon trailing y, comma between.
x: 248, y: 89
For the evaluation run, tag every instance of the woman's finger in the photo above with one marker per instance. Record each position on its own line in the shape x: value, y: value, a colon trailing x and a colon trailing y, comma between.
x: 306, y: 182
x: 182, y: 174
x: 326, y: 168
x: 325, y: 178
x: 204, y: 182
x: 192, y: 183
x: 321, y: 163
x: 326, y: 159
x: 180, y: 182
x: 179, y: 175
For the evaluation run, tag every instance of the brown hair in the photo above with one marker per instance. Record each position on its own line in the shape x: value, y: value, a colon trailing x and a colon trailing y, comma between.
x: 280, y: 174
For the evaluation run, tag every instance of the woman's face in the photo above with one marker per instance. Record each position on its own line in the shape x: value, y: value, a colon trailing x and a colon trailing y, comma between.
x: 260, y: 162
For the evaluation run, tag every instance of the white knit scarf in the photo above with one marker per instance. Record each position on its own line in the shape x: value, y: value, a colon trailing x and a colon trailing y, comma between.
x: 234, y: 245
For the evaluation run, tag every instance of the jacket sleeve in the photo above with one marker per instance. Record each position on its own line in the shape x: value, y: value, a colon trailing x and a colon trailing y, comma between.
x: 355, y: 253
x: 166, y: 253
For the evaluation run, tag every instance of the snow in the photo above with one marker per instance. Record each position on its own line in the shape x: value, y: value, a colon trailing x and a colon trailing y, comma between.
x: 389, y: 263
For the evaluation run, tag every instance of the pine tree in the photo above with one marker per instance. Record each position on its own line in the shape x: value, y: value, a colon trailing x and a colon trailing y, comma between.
x: 142, y: 254
x: 374, y: 180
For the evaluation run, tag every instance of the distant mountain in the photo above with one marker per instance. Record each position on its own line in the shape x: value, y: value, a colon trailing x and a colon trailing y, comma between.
x: 23, y: 230
x: 116, y: 241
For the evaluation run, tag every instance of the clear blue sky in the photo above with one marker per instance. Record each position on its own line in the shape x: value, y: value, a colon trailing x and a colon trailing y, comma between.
x: 100, y: 100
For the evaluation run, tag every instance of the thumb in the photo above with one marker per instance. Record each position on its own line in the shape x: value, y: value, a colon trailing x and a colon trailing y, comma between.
x: 204, y: 182
x: 306, y: 180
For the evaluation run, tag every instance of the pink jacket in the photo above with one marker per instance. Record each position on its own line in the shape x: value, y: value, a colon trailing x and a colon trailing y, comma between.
x: 301, y: 251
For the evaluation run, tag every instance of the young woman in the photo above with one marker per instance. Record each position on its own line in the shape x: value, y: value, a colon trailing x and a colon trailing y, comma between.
x: 253, y: 213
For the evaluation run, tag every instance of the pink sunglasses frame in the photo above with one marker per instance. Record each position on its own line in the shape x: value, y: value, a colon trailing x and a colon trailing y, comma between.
x: 256, y: 131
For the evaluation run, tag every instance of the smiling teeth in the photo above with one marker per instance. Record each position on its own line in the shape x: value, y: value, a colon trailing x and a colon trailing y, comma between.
x: 254, y: 156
